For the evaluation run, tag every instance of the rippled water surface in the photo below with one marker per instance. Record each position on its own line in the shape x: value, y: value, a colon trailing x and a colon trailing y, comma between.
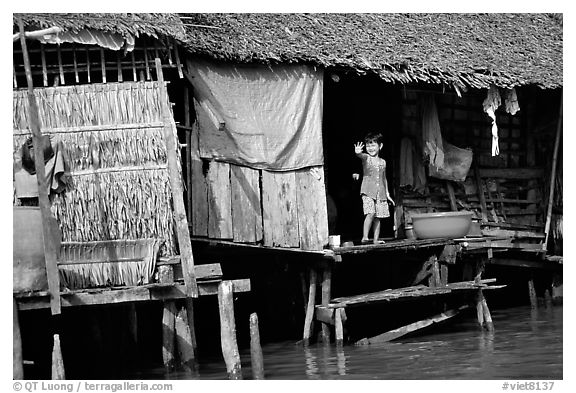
x: 526, y: 344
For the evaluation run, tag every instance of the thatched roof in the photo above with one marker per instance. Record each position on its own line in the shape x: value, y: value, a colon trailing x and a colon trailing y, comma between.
x: 473, y: 50
x: 153, y: 25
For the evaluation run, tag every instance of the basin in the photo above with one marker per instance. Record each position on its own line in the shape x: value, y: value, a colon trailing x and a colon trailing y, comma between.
x: 443, y: 225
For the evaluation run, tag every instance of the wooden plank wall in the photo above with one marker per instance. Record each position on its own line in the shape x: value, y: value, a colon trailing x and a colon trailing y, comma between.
x: 278, y: 209
x: 219, y: 201
x: 246, y: 204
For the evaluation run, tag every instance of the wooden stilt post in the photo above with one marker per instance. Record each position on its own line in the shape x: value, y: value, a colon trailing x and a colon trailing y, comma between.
x: 326, y: 293
x: 487, y: 316
x: 443, y: 274
x: 310, y: 309
x: 191, y: 325
x: 339, y: 326
x: 168, y: 334
x: 133, y: 323
x: 480, y: 308
x: 255, y: 349
x: 532, y: 293
x: 17, y: 359
x: 228, y: 330
x: 57, y: 361
x: 184, y: 340
x: 434, y: 279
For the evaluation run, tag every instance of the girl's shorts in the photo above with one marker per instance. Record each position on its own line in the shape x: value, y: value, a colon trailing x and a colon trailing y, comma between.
x: 377, y: 207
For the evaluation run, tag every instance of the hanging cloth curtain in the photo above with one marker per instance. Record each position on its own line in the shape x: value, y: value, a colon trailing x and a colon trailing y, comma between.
x: 431, y: 135
x: 259, y: 116
x: 490, y: 104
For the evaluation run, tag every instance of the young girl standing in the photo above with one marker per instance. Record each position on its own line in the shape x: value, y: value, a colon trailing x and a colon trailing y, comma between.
x: 374, y: 189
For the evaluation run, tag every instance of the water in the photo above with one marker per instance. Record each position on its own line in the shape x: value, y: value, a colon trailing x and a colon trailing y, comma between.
x: 526, y: 344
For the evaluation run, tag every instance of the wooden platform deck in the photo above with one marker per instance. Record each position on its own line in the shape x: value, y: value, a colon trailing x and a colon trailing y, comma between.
x: 398, y: 294
x: 87, y: 297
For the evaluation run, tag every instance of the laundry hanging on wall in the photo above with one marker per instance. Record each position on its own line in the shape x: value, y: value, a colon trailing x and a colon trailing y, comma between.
x: 259, y: 116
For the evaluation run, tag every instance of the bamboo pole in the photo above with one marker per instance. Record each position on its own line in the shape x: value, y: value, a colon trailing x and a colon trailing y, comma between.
x: 134, y: 74
x: 147, y: 64
x: 133, y: 322
x: 103, y: 64
x: 310, y: 309
x: 17, y: 359
x: 119, y: 65
x: 326, y: 294
x: 76, y: 76
x: 228, y: 330
x: 14, y: 75
x: 168, y: 334
x: 181, y: 222
x: 552, y: 180
x: 44, y: 69
x: 60, y: 67
x: 88, y: 64
x: 255, y: 349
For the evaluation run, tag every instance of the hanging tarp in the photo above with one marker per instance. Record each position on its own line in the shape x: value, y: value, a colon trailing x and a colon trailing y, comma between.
x: 259, y: 116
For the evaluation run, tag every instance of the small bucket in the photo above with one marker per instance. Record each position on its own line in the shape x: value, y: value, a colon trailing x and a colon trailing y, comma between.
x: 334, y: 241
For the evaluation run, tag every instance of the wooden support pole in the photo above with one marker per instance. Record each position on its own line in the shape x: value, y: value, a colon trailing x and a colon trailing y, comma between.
x: 256, y: 357
x: 168, y: 334
x: 134, y: 73
x: 552, y: 180
x: 310, y: 309
x: 452, y: 196
x: 57, y: 361
x: 181, y: 222
x: 228, y: 330
x: 326, y: 294
x: 76, y: 75
x: 88, y: 64
x: 480, y: 189
x: 17, y: 359
x: 184, y: 340
x: 339, y: 328
x: 119, y: 65
x: 50, y: 252
x: 178, y: 64
x: 532, y: 293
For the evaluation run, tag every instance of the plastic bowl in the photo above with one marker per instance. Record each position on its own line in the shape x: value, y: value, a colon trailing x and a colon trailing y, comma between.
x: 445, y: 225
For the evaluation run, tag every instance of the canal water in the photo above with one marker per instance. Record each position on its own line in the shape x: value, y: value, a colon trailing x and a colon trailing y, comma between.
x: 526, y: 344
